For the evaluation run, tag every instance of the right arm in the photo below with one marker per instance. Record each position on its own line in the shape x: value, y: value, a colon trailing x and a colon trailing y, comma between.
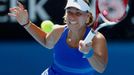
x: 48, y: 40
x: 36, y: 33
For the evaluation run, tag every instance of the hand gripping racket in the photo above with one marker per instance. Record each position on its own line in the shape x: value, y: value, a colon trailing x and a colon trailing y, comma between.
x: 111, y: 12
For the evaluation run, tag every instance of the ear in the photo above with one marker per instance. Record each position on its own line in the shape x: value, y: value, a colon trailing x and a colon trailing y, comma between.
x: 89, y: 19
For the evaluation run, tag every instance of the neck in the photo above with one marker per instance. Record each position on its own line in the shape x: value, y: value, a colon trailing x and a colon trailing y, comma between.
x: 75, y: 36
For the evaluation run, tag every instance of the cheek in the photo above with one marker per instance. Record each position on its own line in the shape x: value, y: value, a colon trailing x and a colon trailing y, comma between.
x: 82, y: 20
x: 67, y: 19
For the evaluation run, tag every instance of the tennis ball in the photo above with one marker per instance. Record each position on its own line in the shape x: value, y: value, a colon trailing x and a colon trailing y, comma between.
x: 47, y: 26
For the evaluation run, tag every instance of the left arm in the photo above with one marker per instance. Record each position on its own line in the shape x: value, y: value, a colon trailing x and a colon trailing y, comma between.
x: 100, y: 58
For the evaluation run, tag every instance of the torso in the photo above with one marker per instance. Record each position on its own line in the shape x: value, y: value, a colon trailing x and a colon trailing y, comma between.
x: 66, y: 56
x: 72, y: 42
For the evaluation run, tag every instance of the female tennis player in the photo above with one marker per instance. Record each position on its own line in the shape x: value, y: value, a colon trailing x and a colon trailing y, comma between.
x: 71, y: 55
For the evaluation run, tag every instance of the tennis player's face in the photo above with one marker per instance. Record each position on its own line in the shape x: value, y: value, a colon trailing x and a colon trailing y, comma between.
x: 75, y: 18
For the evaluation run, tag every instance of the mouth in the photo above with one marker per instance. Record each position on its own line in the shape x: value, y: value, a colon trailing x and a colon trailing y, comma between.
x: 72, y: 22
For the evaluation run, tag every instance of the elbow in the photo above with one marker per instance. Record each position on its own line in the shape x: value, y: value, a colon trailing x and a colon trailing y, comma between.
x: 48, y: 46
x: 101, y: 69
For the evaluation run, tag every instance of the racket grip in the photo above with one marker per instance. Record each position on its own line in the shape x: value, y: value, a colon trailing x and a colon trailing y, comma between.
x: 90, y: 36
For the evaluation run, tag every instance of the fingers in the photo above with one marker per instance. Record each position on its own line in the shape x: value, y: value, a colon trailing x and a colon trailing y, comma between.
x: 10, y: 14
x: 20, y: 5
x: 80, y: 45
x: 88, y: 44
x: 14, y: 11
x: 19, y: 13
x: 84, y: 48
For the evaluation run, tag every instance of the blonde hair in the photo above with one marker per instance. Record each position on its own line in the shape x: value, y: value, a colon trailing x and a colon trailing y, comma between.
x: 89, y: 19
x: 87, y: 1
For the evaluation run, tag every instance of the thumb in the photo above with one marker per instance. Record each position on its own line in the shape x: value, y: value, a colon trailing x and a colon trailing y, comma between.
x: 80, y: 44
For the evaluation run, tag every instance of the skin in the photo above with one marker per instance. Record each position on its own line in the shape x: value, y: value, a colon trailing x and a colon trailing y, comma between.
x: 76, y: 20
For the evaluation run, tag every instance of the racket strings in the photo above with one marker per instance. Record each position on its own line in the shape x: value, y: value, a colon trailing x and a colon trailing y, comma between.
x: 115, y: 11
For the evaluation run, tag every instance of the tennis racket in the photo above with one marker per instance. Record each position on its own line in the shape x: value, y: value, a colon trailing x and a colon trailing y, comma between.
x: 110, y: 12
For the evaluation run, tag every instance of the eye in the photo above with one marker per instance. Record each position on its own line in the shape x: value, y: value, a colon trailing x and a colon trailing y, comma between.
x: 69, y: 13
x: 78, y: 13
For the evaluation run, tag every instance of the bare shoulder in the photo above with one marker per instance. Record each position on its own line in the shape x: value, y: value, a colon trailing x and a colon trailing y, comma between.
x: 53, y: 36
x: 99, y: 37
x: 57, y: 30
x: 59, y: 27
x: 99, y: 41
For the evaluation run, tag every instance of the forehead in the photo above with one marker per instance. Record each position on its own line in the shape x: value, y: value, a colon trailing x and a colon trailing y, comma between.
x: 73, y: 9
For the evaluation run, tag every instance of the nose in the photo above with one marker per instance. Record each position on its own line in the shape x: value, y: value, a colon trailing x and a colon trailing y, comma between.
x: 72, y: 16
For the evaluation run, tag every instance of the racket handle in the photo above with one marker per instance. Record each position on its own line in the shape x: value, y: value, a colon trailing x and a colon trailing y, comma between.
x: 90, y: 36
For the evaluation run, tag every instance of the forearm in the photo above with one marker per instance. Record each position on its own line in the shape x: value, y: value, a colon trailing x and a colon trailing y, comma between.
x: 36, y: 33
x: 97, y: 63
x: 21, y: 15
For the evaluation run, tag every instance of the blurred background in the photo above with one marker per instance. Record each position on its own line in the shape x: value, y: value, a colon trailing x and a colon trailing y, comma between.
x: 20, y: 54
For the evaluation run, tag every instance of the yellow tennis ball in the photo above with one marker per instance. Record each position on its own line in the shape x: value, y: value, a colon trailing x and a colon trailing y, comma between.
x: 47, y: 26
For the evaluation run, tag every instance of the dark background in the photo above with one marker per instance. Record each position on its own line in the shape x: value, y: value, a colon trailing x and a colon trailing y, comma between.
x: 20, y: 54
x: 55, y: 8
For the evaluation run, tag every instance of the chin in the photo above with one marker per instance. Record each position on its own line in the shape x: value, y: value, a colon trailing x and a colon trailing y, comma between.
x: 73, y: 28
